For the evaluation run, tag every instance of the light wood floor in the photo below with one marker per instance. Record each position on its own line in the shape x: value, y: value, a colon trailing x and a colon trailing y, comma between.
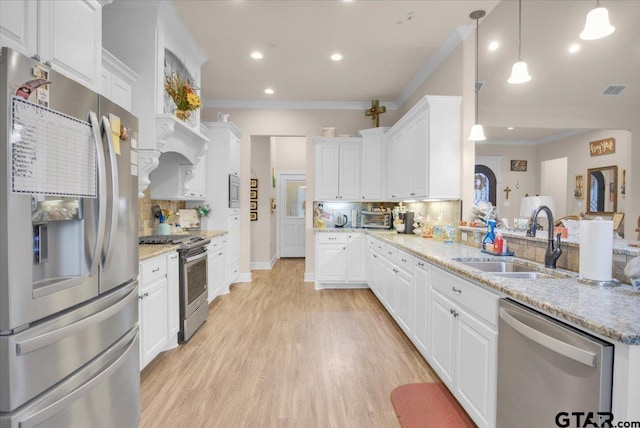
x: 277, y: 353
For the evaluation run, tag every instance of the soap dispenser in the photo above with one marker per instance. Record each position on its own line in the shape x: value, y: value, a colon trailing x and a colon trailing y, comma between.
x: 490, y: 237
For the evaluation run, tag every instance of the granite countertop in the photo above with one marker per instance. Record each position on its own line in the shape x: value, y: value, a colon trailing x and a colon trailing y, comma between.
x: 610, y: 312
x: 148, y: 251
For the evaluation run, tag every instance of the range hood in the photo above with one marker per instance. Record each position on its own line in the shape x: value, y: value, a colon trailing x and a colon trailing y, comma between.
x: 184, y: 147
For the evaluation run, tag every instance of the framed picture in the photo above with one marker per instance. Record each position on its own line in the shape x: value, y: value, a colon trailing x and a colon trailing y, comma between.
x: 578, y: 190
x: 253, y: 205
x: 617, y: 219
x: 273, y: 205
x: 518, y: 165
x: 253, y: 194
x: 253, y: 183
x: 605, y: 146
x: 253, y: 216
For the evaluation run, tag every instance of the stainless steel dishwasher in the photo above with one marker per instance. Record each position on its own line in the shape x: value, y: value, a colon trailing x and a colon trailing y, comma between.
x: 546, y: 367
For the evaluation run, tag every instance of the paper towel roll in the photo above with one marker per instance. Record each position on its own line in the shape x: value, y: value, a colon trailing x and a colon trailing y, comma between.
x: 596, y: 249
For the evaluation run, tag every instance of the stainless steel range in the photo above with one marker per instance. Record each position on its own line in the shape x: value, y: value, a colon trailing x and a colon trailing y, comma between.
x: 193, y: 279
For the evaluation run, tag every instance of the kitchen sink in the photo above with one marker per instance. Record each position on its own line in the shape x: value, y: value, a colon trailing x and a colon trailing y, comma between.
x: 514, y: 269
x: 524, y: 275
x: 500, y: 266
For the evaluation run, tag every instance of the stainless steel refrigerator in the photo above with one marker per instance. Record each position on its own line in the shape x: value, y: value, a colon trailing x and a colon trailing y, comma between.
x: 69, y: 352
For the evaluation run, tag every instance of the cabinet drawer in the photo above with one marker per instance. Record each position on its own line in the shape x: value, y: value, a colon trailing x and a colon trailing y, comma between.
x: 477, y: 300
x: 152, y: 269
x: 404, y: 260
x: 332, y: 238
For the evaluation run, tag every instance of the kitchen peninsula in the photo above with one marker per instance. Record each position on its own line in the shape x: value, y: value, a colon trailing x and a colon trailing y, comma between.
x: 608, y: 313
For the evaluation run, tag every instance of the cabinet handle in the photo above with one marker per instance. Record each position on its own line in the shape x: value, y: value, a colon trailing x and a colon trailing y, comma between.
x: 331, y: 239
x: 390, y: 253
x: 155, y: 270
x: 344, y: 248
x: 455, y: 314
x: 412, y: 194
x: 456, y: 290
x: 393, y: 196
x: 420, y: 264
x: 363, y: 197
x: 396, y: 270
x: 404, y: 260
x: 174, y: 257
x: 451, y: 311
x: 141, y: 297
x: 146, y: 294
x: 375, y: 257
x: 220, y: 253
x: 36, y: 57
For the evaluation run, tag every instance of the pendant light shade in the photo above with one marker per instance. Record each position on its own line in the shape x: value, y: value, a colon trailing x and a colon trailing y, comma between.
x: 519, y: 71
x: 597, y: 24
x: 477, y: 132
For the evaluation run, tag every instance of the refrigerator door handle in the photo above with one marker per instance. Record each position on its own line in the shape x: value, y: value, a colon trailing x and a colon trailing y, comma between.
x: 577, y: 354
x: 115, y: 193
x: 102, y: 190
x: 38, y: 342
x: 38, y: 418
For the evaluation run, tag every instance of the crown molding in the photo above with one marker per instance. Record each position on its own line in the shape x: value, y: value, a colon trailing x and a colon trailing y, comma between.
x: 295, y: 105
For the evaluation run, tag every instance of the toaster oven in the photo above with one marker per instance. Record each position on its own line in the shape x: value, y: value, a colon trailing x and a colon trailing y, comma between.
x: 375, y: 219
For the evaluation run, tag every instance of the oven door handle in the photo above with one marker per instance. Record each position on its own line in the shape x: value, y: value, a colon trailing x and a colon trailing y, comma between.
x: 197, y: 257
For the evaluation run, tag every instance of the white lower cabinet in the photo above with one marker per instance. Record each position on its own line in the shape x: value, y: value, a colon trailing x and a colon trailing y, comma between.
x: 340, y: 260
x: 451, y: 321
x: 421, y: 305
x: 173, y: 298
x: 158, y: 306
x: 217, y: 268
x: 464, y: 343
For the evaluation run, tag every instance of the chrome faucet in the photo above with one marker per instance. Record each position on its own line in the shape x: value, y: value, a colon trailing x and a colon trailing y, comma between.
x: 552, y: 254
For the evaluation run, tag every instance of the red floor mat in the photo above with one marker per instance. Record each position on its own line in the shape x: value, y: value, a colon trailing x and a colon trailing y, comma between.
x: 422, y: 405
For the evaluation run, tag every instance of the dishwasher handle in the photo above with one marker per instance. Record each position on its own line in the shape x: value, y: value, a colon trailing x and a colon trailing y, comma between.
x: 577, y: 354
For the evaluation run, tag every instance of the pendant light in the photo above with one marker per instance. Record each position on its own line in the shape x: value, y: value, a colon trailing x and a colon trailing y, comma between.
x: 597, y: 24
x: 519, y: 72
x: 477, y: 132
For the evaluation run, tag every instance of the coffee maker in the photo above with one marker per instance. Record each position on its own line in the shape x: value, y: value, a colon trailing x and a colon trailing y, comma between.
x: 407, y: 219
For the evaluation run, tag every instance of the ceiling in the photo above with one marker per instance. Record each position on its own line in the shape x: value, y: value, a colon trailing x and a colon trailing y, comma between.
x: 388, y: 45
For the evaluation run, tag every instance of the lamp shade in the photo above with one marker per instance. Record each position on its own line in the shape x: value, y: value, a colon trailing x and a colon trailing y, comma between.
x: 529, y: 203
x: 519, y: 73
x: 597, y: 24
x: 477, y: 133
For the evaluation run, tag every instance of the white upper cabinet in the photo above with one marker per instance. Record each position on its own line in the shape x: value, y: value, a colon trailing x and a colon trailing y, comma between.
x: 423, y: 152
x: 117, y: 80
x: 65, y: 34
x: 373, y: 164
x: 337, y: 168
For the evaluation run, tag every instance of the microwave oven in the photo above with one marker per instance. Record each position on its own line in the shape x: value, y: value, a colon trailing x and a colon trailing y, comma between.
x: 375, y: 219
x: 234, y: 191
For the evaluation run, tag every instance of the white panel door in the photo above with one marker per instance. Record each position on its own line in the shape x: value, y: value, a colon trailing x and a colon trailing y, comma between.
x: 443, y: 341
x: 349, y: 172
x: 292, y: 213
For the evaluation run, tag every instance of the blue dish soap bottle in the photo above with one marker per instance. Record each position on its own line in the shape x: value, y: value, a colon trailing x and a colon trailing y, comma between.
x: 490, y: 237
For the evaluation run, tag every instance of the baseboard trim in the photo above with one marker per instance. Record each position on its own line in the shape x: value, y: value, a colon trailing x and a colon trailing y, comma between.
x: 264, y: 265
x: 342, y: 286
x: 309, y: 277
x: 244, y: 277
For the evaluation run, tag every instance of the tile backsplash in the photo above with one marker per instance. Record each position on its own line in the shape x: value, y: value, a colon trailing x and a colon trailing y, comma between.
x: 146, y: 221
x: 439, y: 211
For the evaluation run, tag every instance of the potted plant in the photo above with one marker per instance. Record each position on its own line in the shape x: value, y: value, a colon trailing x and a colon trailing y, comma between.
x: 183, y: 93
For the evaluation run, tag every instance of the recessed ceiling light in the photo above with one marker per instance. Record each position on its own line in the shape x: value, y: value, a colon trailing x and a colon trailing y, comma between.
x: 494, y: 46
x: 511, y: 128
x: 269, y: 91
x: 574, y: 48
x: 336, y: 57
x: 256, y: 55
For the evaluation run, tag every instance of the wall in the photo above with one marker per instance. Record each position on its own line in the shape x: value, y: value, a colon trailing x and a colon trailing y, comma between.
x: 268, y: 153
x: 576, y: 149
x: 261, y: 169
x: 521, y: 183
